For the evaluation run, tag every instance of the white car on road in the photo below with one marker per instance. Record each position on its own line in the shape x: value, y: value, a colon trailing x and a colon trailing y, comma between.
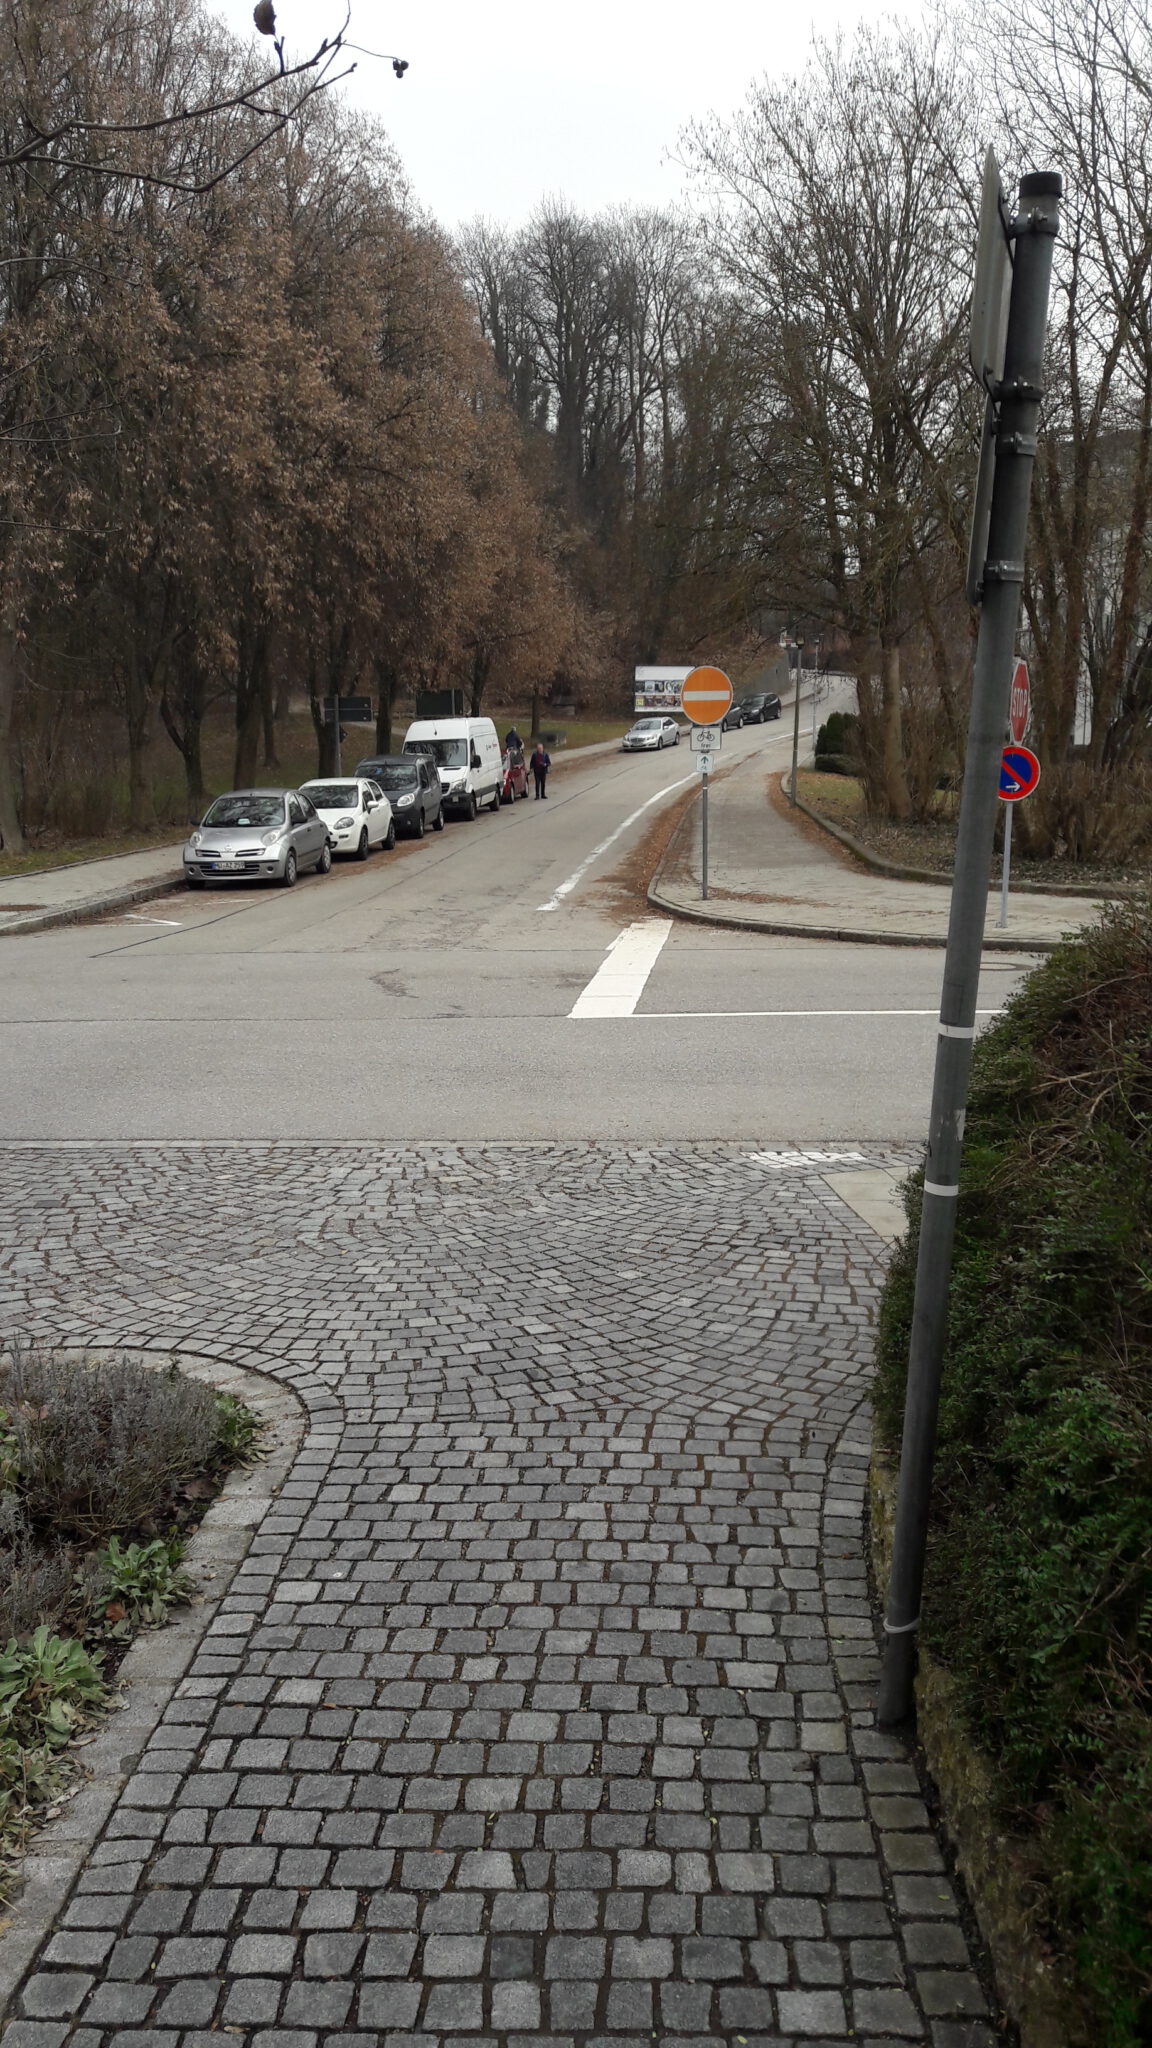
x: 651, y: 733
x: 356, y: 811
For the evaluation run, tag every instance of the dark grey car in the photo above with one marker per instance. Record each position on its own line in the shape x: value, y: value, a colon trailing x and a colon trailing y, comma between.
x: 257, y: 835
x: 413, y: 789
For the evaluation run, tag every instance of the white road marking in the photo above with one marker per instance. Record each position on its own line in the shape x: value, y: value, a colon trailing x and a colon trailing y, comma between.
x: 805, y: 1155
x: 691, y: 1016
x: 578, y: 874
x: 137, y: 917
x: 618, y: 983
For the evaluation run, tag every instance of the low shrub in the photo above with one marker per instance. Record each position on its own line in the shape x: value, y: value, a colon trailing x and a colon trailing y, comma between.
x: 101, y: 1446
x: 836, y: 764
x: 102, y: 1464
x: 135, y: 1584
x: 839, y: 735
x: 1039, y: 1582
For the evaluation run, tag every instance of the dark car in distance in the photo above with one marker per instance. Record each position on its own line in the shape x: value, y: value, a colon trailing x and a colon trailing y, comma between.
x: 733, y: 718
x: 758, y: 708
x: 413, y: 789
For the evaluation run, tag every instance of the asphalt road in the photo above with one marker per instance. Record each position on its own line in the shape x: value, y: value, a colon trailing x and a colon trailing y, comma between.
x: 429, y: 995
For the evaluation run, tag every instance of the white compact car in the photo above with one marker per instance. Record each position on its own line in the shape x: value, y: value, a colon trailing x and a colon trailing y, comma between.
x: 356, y: 811
x: 650, y: 734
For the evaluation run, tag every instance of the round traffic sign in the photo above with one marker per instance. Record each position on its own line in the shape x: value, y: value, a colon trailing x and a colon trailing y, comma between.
x: 1019, y: 773
x: 1019, y: 703
x: 706, y: 696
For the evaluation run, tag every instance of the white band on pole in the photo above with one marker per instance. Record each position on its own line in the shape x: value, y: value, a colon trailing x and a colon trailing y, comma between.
x: 957, y: 1030
x: 905, y: 1628
x: 933, y: 1187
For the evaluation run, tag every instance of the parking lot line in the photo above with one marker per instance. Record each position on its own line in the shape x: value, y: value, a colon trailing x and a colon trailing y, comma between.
x: 619, y: 981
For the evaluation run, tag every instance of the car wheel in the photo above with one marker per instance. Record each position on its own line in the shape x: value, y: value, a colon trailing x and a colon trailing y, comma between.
x: 497, y: 800
x: 324, y: 864
x: 438, y: 820
x: 362, y: 844
x: 471, y: 812
x: 390, y: 842
x: 418, y: 827
x: 288, y: 878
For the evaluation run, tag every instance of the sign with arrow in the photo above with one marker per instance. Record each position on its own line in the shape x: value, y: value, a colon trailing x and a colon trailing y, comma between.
x: 1019, y: 773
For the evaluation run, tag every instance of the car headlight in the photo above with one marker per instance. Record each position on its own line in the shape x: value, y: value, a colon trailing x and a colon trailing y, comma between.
x: 194, y: 838
x: 342, y: 824
x: 458, y: 787
x: 405, y: 800
x: 270, y: 838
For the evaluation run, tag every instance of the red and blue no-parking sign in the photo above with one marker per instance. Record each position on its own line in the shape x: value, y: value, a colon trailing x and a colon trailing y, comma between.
x: 1019, y: 773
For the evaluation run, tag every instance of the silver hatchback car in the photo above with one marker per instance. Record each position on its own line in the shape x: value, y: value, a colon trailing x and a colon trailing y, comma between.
x: 257, y: 835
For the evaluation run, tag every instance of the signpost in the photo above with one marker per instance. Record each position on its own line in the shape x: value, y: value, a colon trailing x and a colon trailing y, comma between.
x: 341, y: 710
x: 1019, y: 716
x: 1020, y: 704
x: 706, y: 699
x: 1013, y: 379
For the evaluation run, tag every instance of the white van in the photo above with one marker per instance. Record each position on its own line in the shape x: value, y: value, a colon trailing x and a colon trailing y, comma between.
x: 467, y: 756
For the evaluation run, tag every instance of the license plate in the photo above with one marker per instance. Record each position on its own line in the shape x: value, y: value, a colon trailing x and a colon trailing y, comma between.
x: 228, y: 867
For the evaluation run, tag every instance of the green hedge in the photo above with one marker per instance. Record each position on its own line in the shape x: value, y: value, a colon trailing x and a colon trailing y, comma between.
x: 1039, y: 1589
x: 838, y: 734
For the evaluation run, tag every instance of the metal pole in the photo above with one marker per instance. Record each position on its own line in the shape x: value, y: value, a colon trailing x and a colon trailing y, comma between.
x: 1002, y: 920
x: 336, y: 729
x: 1019, y: 398
x: 705, y: 776
x: 795, y: 724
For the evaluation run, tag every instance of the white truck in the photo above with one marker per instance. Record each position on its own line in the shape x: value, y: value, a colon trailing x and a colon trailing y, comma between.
x: 466, y: 753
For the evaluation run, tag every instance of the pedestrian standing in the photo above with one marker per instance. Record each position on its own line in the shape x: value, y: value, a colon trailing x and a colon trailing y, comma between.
x: 541, y: 763
x: 512, y: 741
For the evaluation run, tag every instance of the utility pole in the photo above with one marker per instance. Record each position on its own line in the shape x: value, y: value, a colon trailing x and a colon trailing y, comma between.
x: 1017, y: 396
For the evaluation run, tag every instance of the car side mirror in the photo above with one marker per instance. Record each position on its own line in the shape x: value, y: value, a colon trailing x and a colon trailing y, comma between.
x: 475, y: 762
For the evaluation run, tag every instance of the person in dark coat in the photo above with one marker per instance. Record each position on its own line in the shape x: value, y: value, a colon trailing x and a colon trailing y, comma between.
x: 540, y: 764
x: 512, y: 741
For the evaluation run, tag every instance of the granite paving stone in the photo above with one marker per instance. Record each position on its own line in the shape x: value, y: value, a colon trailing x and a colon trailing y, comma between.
x: 539, y: 1709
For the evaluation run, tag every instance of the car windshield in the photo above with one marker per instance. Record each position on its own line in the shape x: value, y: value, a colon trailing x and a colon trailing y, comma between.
x: 647, y: 725
x: 396, y: 778
x: 246, y: 810
x: 333, y: 796
x: 445, y: 753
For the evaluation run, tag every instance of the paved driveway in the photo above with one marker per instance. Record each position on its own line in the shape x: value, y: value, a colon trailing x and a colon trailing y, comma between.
x: 539, y: 1711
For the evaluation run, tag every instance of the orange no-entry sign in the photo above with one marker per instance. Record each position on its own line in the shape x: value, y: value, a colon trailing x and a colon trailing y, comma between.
x: 706, y: 696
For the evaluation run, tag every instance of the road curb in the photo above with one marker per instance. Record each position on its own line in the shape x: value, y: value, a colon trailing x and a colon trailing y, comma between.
x: 95, y: 906
x: 896, y: 871
x: 792, y: 928
x: 158, y: 1659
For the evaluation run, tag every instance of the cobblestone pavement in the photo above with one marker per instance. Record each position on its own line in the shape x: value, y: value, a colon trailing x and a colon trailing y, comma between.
x: 539, y: 1710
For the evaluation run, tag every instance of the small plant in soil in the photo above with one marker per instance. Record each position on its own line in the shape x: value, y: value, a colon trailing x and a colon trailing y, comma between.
x: 105, y: 1466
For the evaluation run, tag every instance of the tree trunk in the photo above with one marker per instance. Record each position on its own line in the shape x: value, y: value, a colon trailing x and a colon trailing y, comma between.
x: 187, y: 739
x: 535, y: 732
x: 249, y: 697
x: 138, y: 710
x: 387, y: 686
x: 11, y: 831
x: 896, y: 796
x: 268, y: 717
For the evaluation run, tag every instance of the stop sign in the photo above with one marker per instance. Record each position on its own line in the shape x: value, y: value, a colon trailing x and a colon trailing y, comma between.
x: 1019, y: 703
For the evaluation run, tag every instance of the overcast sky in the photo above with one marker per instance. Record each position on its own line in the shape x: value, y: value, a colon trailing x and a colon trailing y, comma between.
x: 506, y: 103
